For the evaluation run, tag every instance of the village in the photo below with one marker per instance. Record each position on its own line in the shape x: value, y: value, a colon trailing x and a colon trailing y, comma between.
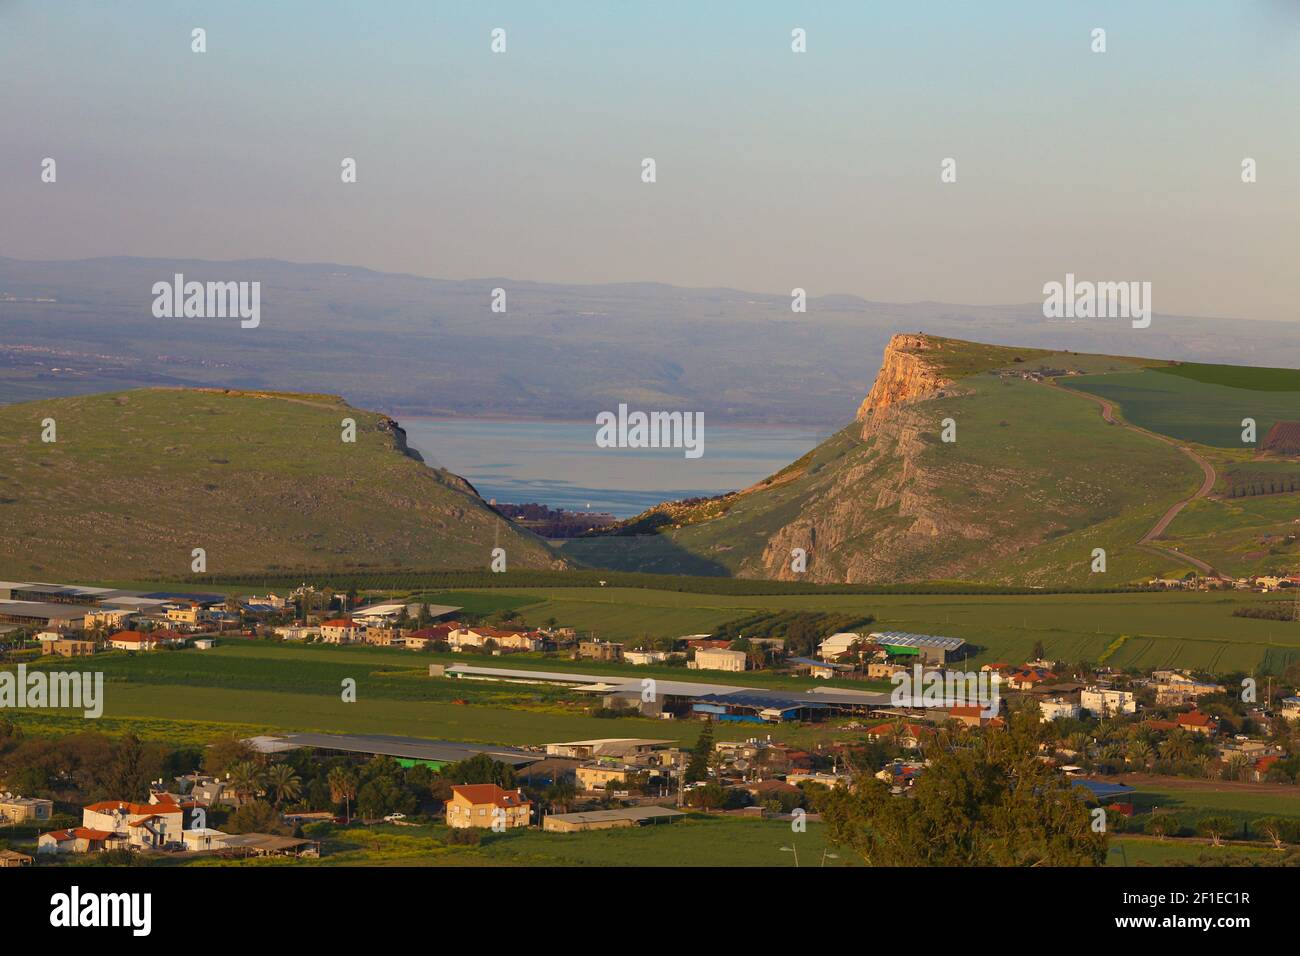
x: 1108, y: 731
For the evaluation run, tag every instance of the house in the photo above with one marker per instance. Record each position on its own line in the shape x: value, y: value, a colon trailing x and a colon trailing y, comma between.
x: 296, y: 632
x: 1028, y: 677
x: 907, y: 736
x: 645, y: 657
x: 205, y: 643
x: 139, y: 824
x: 975, y: 715
x: 424, y: 637
x: 837, y: 645
x: 341, y: 630
x: 500, y: 638
x: 600, y: 776
x: 24, y: 809
x: 1177, y: 688
x: 883, y: 670
x: 486, y: 804
x: 595, y: 650
x: 384, y: 636
x: 1291, y: 708
x: 78, y: 840
x: 65, y: 644
x: 145, y: 640
x: 1195, y: 722
x: 719, y: 660
x: 188, y: 613
x: 1057, y: 708
x: 108, y: 618
x: 12, y: 858
x: 1104, y: 701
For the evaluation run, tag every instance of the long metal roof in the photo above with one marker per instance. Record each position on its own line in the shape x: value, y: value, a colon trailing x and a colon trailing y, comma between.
x: 410, y: 748
x: 904, y: 639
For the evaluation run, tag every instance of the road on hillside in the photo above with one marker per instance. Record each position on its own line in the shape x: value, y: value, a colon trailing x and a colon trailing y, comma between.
x: 1149, y: 539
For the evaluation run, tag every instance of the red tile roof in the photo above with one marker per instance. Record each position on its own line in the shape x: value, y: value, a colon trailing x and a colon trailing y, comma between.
x: 339, y: 622
x: 79, y: 833
x: 134, y: 809
x: 481, y: 793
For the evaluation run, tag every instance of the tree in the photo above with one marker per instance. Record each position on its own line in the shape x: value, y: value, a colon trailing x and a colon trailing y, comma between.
x: 247, y: 780
x: 561, y: 794
x: 257, y: 816
x: 697, y: 768
x: 343, y: 788
x: 1215, y: 828
x: 284, y: 782
x: 989, y: 803
x: 224, y: 753
x: 481, y: 769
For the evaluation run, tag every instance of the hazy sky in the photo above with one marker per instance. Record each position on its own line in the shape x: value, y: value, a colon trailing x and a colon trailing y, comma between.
x: 775, y: 169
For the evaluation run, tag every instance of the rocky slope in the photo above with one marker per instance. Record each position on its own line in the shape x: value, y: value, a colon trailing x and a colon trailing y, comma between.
x: 888, y: 500
x: 906, y: 375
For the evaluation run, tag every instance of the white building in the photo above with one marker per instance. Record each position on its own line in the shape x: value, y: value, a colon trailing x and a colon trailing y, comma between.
x: 837, y: 644
x: 719, y: 659
x: 645, y: 657
x: 1102, y: 702
x: 1056, y: 708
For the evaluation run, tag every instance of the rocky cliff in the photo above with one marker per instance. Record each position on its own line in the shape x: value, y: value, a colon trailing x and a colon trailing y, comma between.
x: 906, y: 375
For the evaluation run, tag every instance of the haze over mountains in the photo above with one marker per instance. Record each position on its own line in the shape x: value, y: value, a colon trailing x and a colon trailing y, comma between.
x: 409, y: 345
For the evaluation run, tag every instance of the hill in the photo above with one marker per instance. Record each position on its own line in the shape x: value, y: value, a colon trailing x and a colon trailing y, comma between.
x: 1052, y: 455
x: 261, y: 480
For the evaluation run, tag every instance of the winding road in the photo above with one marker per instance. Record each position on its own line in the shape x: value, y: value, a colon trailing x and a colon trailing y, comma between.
x: 1211, y: 476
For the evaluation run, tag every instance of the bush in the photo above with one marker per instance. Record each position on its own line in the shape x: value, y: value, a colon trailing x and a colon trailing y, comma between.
x: 463, y: 836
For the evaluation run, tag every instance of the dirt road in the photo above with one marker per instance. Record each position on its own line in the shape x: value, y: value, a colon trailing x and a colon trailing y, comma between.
x: 1149, y: 539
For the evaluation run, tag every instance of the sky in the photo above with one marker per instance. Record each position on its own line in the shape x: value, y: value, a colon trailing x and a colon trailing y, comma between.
x: 775, y: 169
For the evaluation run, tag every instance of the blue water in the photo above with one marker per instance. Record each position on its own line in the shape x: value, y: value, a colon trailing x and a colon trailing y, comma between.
x: 559, y: 464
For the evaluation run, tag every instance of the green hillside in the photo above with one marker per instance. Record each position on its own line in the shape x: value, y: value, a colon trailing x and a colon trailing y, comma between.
x: 261, y: 481
x: 1037, y: 478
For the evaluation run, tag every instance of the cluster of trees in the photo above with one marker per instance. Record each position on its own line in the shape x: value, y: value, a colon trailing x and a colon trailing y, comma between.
x: 985, y: 800
x: 88, y: 766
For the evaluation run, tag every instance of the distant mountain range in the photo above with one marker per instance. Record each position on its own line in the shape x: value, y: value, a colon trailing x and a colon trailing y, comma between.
x: 415, y: 346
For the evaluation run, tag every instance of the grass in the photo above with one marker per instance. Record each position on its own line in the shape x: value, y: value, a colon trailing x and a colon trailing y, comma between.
x: 1206, y: 412
x: 137, y: 480
x: 695, y: 840
x: 1237, y: 376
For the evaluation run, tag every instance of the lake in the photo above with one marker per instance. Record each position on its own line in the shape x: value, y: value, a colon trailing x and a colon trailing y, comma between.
x: 558, y: 463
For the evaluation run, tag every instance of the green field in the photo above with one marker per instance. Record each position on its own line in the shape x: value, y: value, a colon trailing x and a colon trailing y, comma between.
x: 1184, y: 629
x: 1181, y: 407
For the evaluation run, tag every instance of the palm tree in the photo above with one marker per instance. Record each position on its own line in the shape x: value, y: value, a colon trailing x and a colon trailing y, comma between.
x: 343, y: 786
x: 246, y: 780
x: 1140, y: 752
x: 561, y: 793
x: 286, y: 784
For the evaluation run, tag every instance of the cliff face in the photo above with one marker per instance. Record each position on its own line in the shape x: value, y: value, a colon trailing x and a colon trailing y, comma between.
x: 905, y: 376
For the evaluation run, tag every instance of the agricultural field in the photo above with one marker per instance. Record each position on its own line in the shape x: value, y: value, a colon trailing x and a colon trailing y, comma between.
x: 697, y: 840
x: 1241, y: 536
x: 1205, y: 411
x: 1184, y: 629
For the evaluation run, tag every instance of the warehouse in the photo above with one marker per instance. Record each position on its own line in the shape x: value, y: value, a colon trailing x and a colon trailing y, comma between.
x: 408, y: 751
x: 608, y: 819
